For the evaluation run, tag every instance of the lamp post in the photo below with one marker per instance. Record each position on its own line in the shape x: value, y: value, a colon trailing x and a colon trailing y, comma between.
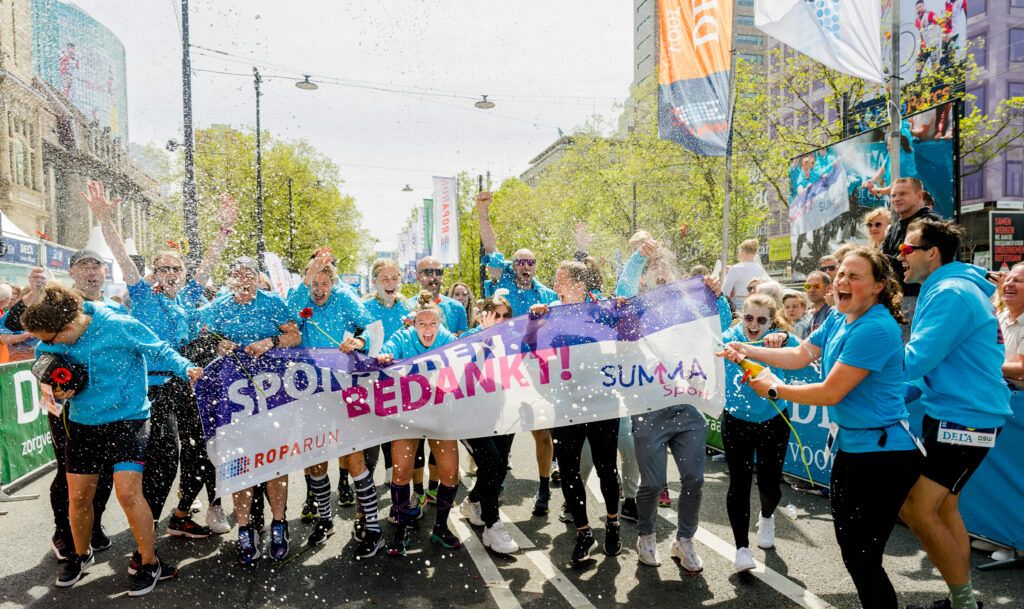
x: 188, y: 191
x: 291, y: 228
x: 261, y: 247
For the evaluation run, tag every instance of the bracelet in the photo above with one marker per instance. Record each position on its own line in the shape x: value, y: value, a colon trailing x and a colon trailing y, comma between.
x: 275, y: 340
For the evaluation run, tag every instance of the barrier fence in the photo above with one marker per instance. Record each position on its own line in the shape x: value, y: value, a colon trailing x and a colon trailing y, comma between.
x: 25, y: 443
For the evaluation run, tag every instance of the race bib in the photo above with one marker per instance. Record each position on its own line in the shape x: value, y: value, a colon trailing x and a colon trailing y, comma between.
x: 951, y: 433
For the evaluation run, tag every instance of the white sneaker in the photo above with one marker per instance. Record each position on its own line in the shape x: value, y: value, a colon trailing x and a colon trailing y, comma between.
x: 497, y: 539
x: 217, y: 520
x: 647, y: 550
x: 471, y: 511
x: 766, y: 532
x: 682, y: 548
x: 744, y: 560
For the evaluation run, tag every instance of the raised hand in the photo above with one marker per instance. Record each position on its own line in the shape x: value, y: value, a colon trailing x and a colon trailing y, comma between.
x: 97, y: 199
x: 649, y: 248
x: 484, y: 199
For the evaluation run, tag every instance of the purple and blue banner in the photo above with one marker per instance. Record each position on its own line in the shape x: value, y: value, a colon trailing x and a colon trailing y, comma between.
x: 293, y: 408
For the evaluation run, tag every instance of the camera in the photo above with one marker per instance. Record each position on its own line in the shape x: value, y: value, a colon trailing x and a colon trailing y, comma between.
x: 57, y: 372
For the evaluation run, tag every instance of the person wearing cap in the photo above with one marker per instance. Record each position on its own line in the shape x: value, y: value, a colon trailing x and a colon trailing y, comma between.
x: 167, y: 303
x: 256, y: 321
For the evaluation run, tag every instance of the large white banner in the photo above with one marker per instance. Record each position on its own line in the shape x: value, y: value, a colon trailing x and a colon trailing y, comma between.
x: 293, y: 408
x: 845, y: 35
x: 445, y: 246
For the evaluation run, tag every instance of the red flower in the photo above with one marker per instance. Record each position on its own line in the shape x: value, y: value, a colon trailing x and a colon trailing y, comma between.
x: 61, y: 376
x: 306, y: 313
x: 682, y: 231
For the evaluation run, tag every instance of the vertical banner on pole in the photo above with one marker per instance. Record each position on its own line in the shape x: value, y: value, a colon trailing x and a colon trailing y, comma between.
x: 445, y: 246
x: 693, y: 74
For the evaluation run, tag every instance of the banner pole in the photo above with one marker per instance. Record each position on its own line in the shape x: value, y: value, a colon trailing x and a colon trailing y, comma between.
x: 895, y: 120
x: 728, y: 147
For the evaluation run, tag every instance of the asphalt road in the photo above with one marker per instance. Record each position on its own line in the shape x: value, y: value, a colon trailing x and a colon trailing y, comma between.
x: 804, y: 570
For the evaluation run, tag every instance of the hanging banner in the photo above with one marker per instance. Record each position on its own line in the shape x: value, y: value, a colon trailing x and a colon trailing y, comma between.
x: 845, y: 35
x: 1006, y: 237
x: 693, y: 74
x: 820, y: 202
x: 293, y: 408
x: 445, y: 243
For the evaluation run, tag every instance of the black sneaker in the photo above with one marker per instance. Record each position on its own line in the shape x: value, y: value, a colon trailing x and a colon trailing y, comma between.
x: 323, y: 529
x: 585, y: 543
x: 99, y: 540
x: 346, y: 496
x: 145, y: 579
x: 612, y: 538
x: 62, y: 548
x: 74, y: 567
x: 629, y: 511
x: 186, y: 527
x: 371, y: 543
x: 309, y: 511
x: 398, y: 542
x: 443, y: 535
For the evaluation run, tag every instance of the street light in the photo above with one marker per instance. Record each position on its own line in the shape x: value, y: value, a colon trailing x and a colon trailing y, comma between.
x: 484, y: 104
x: 306, y: 85
x: 407, y: 188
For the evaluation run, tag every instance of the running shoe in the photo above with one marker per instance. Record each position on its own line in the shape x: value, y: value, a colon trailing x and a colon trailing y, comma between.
x: 766, y: 532
x: 585, y: 543
x: 216, y: 520
x: 556, y: 476
x: 248, y: 545
x: 565, y: 515
x: 497, y: 538
x: 323, y: 529
x: 346, y: 496
x: 371, y: 543
x: 540, y: 503
x: 442, y: 535
x: 612, y: 538
x: 629, y: 511
x: 309, y: 511
x: 647, y: 550
x: 471, y: 511
x: 398, y: 542
x: 74, y: 568
x: 663, y: 499
x: 430, y: 496
x: 683, y: 549
x: 744, y: 560
x: 99, y: 540
x: 278, y: 539
x: 145, y: 579
x: 186, y: 527
x: 61, y: 547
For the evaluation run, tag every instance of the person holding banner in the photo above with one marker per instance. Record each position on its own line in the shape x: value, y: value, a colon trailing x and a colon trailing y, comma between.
x: 954, y: 363
x: 519, y: 277
x: 254, y: 321
x: 427, y: 332
x: 571, y: 286
x: 490, y: 453
x: 107, y: 423
x: 878, y: 460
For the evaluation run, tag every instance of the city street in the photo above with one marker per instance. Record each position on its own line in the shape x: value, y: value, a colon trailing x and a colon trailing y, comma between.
x: 804, y: 571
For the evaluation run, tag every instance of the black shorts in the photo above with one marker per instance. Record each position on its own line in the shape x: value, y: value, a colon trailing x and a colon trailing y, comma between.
x: 950, y: 465
x: 120, y: 446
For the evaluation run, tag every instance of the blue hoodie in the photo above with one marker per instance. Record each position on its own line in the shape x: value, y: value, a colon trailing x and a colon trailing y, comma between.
x: 326, y: 329
x: 406, y: 343
x: 954, y: 347
x: 117, y: 350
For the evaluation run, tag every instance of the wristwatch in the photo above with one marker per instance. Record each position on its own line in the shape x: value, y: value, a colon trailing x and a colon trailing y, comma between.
x: 773, y: 391
x: 275, y: 340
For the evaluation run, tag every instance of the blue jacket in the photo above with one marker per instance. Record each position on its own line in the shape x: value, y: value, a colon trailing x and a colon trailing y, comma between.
x: 740, y: 399
x: 326, y: 329
x: 406, y: 343
x: 954, y: 347
x: 117, y: 350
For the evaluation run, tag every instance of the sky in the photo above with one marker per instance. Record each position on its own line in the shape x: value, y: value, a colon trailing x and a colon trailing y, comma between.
x: 546, y: 64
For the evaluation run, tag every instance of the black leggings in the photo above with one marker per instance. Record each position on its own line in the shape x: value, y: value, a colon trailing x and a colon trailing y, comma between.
x: 742, y: 440
x: 162, y: 450
x: 604, y: 447
x: 491, y: 457
x: 59, y: 486
x: 197, y: 470
x: 868, y: 490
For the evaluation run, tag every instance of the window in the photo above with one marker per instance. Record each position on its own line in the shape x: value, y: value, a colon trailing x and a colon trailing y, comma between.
x: 1014, y: 186
x: 745, y: 2
x: 752, y: 40
x: 757, y: 59
x: 1015, y: 89
x: 1017, y: 44
x: 973, y: 183
x: 980, y: 101
x: 749, y: 19
x: 979, y: 50
x: 975, y: 7
x: 1016, y: 3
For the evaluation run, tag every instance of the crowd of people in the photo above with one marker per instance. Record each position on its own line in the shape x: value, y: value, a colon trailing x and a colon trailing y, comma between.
x: 875, y: 326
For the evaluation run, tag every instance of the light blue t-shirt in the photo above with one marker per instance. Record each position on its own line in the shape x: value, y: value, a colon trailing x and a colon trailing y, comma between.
x: 117, y: 351
x: 246, y: 323
x: 326, y: 329
x: 406, y: 343
x: 392, y: 318
x: 174, y: 320
x: 875, y: 406
x: 741, y: 401
x: 454, y: 314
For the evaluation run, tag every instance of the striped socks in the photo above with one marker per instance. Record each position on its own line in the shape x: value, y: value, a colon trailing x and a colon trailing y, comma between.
x: 320, y: 486
x: 445, y: 500
x: 366, y: 493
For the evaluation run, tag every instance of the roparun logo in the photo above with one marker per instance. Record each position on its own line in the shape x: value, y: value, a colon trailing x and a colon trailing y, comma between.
x: 235, y: 467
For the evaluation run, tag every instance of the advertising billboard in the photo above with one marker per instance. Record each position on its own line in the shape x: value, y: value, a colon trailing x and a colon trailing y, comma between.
x: 83, y: 60
x: 831, y: 188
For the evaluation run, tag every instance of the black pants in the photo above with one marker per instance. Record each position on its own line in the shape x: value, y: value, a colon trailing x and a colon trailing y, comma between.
x: 162, y: 450
x: 743, y: 440
x: 491, y: 457
x: 197, y: 470
x: 59, y: 486
x: 868, y: 490
x: 604, y: 446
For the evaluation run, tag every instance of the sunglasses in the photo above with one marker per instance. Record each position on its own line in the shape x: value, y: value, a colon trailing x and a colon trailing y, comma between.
x: 760, y: 320
x: 526, y: 262
x: 874, y: 224
x: 503, y: 316
x: 828, y: 267
x: 168, y: 269
x: 435, y: 272
x: 813, y: 286
x: 49, y: 341
x: 906, y: 249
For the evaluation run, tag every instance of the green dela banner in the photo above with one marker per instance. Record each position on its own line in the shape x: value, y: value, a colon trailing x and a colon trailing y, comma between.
x: 714, y: 433
x: 25, y: 443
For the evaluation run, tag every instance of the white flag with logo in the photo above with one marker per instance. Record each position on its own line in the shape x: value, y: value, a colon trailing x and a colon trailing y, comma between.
x: 845, y: 35
x: 445, y: 246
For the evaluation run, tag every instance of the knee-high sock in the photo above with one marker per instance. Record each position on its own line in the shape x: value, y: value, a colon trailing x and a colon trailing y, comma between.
x: 320, y: 486
x: 445, y: 500
x: 366, y: 492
